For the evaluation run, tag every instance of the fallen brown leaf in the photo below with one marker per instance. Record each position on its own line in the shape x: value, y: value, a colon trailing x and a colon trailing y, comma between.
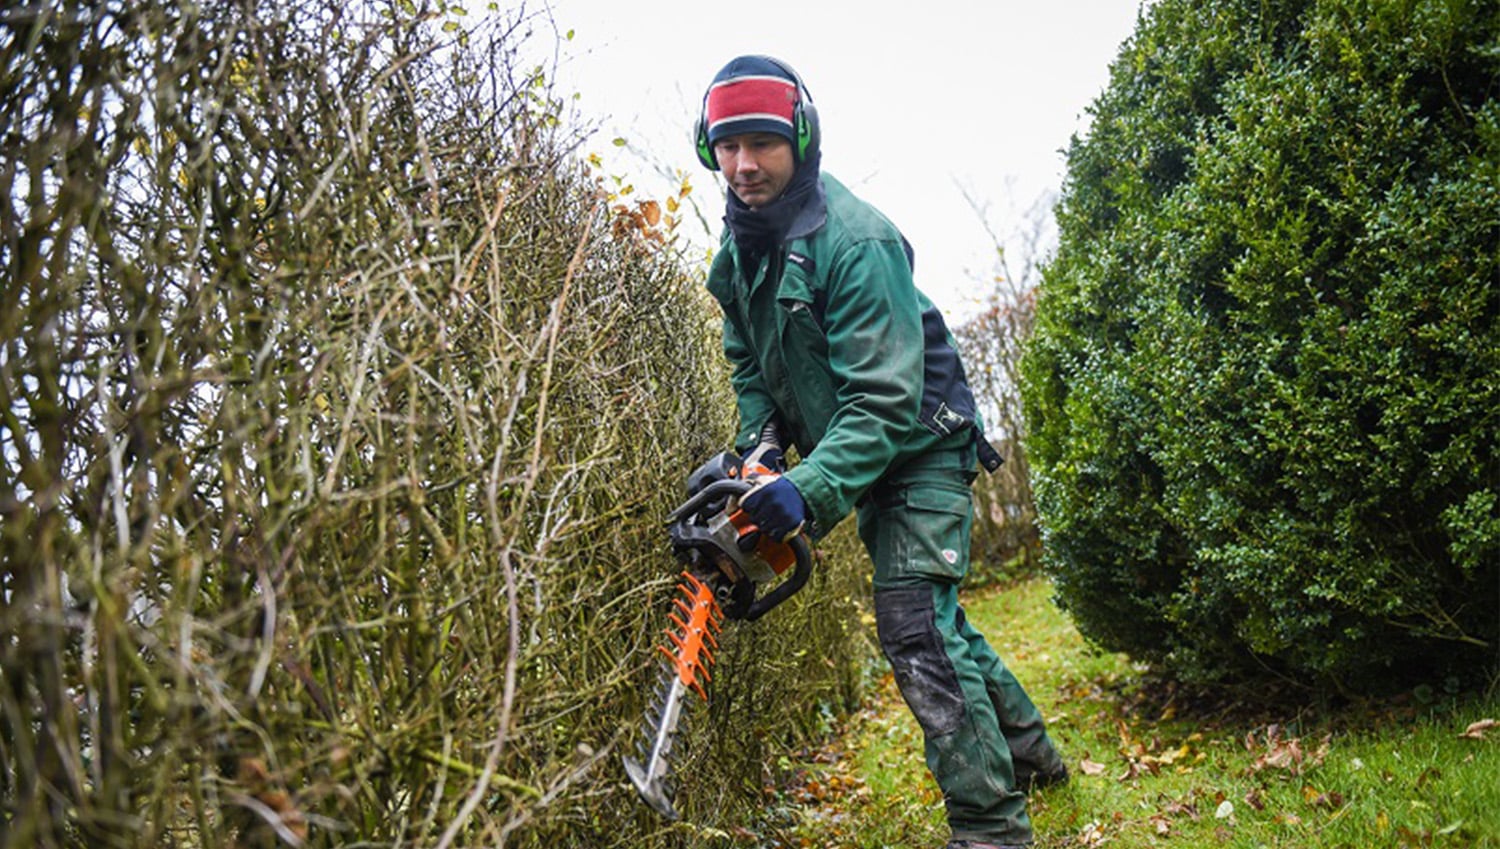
x: 1092, y: 835
x: 1285, y: 754
x: 1177, y: 808
x: 1316, y: 798
x: 1476, y: 730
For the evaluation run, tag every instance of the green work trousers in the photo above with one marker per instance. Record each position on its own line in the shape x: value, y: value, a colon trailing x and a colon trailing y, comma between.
x: 979, y: 726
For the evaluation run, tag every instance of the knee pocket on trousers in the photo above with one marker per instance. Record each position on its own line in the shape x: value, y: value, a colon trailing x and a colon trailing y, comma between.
x: 906, y: 624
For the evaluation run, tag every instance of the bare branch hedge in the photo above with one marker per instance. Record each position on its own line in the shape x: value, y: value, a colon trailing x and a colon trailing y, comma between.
x: 339, y: 422
x: 1007, y: 538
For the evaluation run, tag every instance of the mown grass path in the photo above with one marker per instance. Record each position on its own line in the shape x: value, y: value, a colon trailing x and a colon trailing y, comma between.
x: 1153, y: 767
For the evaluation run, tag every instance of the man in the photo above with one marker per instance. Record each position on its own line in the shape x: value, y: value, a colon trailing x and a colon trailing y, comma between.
x: 829, y: 337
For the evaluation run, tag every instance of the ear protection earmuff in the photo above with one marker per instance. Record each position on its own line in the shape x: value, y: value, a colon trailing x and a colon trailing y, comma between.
x: 805, y: 130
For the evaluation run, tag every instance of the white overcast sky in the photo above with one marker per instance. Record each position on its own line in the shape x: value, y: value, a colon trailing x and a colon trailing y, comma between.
x: 921, y: 102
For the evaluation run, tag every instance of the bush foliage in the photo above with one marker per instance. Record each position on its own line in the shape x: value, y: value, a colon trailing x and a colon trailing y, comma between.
x: 1263, y: 395
x: 341, y: 412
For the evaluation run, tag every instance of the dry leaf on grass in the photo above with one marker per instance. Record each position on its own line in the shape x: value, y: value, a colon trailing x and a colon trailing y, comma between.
x: 1476, y: 730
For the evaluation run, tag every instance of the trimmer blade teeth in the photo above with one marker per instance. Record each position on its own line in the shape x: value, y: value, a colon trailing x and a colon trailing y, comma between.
x: 687, y: 660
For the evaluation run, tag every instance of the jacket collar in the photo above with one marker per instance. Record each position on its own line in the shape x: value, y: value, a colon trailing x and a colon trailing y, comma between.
x: 811, y: 218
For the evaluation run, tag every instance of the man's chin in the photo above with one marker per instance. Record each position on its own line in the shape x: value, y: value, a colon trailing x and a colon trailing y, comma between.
x: 753, y: 199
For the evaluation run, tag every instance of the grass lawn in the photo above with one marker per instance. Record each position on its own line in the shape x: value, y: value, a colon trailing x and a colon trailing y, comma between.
x: 1153, y: 767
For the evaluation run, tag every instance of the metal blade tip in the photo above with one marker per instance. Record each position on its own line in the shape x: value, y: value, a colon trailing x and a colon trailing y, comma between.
x: 652, y: 793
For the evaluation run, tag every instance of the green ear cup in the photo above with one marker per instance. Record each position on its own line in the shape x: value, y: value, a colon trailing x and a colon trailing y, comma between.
x: 704, y: 149
x: 804, y: 116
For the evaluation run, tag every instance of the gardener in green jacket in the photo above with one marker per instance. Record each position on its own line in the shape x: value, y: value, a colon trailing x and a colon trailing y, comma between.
x: 828, y: 336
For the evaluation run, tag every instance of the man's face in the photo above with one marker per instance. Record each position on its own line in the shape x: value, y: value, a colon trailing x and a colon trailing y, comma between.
x: 758, y: 166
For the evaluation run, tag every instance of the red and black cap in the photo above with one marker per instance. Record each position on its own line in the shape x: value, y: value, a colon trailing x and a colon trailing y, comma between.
x: 751, y: 94
x: 757, y: 94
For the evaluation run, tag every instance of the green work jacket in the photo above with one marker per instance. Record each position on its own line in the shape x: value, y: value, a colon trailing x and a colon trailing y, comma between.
x: 829, y: 334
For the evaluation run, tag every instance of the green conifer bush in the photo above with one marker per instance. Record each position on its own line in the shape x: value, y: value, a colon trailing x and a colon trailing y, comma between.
x: 1264, y: 391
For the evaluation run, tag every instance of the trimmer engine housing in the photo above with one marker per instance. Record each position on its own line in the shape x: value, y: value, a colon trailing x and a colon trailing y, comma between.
x: 721, y: 545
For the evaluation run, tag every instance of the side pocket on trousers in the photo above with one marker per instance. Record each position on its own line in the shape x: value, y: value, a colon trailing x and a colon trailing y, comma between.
x: 941, y: 517
x: 907, y: 627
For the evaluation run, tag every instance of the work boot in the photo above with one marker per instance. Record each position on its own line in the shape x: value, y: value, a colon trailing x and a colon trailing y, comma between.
x: 1029, y: 780
x: 974, y: 844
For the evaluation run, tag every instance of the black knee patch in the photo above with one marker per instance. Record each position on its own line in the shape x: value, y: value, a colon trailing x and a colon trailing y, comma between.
x: 907, y: 627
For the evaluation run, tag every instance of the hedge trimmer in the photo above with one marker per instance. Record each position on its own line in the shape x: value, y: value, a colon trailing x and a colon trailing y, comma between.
x: 726, y: 560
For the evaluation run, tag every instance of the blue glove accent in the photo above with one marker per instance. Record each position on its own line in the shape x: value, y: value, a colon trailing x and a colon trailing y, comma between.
x: 777, y: 508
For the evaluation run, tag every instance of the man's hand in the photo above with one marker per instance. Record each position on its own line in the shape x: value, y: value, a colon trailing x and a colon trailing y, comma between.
x: 777, y: 508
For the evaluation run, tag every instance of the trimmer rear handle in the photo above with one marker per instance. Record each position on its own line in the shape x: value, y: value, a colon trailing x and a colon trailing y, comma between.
x: 789, y: 587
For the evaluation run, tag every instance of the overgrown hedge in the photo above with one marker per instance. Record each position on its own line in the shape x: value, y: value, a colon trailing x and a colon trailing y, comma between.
x: 341, y: 411
x: 1006, y: 538
x: 1263, y: 394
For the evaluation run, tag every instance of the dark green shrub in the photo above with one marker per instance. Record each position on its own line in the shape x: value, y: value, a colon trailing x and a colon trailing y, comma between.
x: 1262, y: 394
